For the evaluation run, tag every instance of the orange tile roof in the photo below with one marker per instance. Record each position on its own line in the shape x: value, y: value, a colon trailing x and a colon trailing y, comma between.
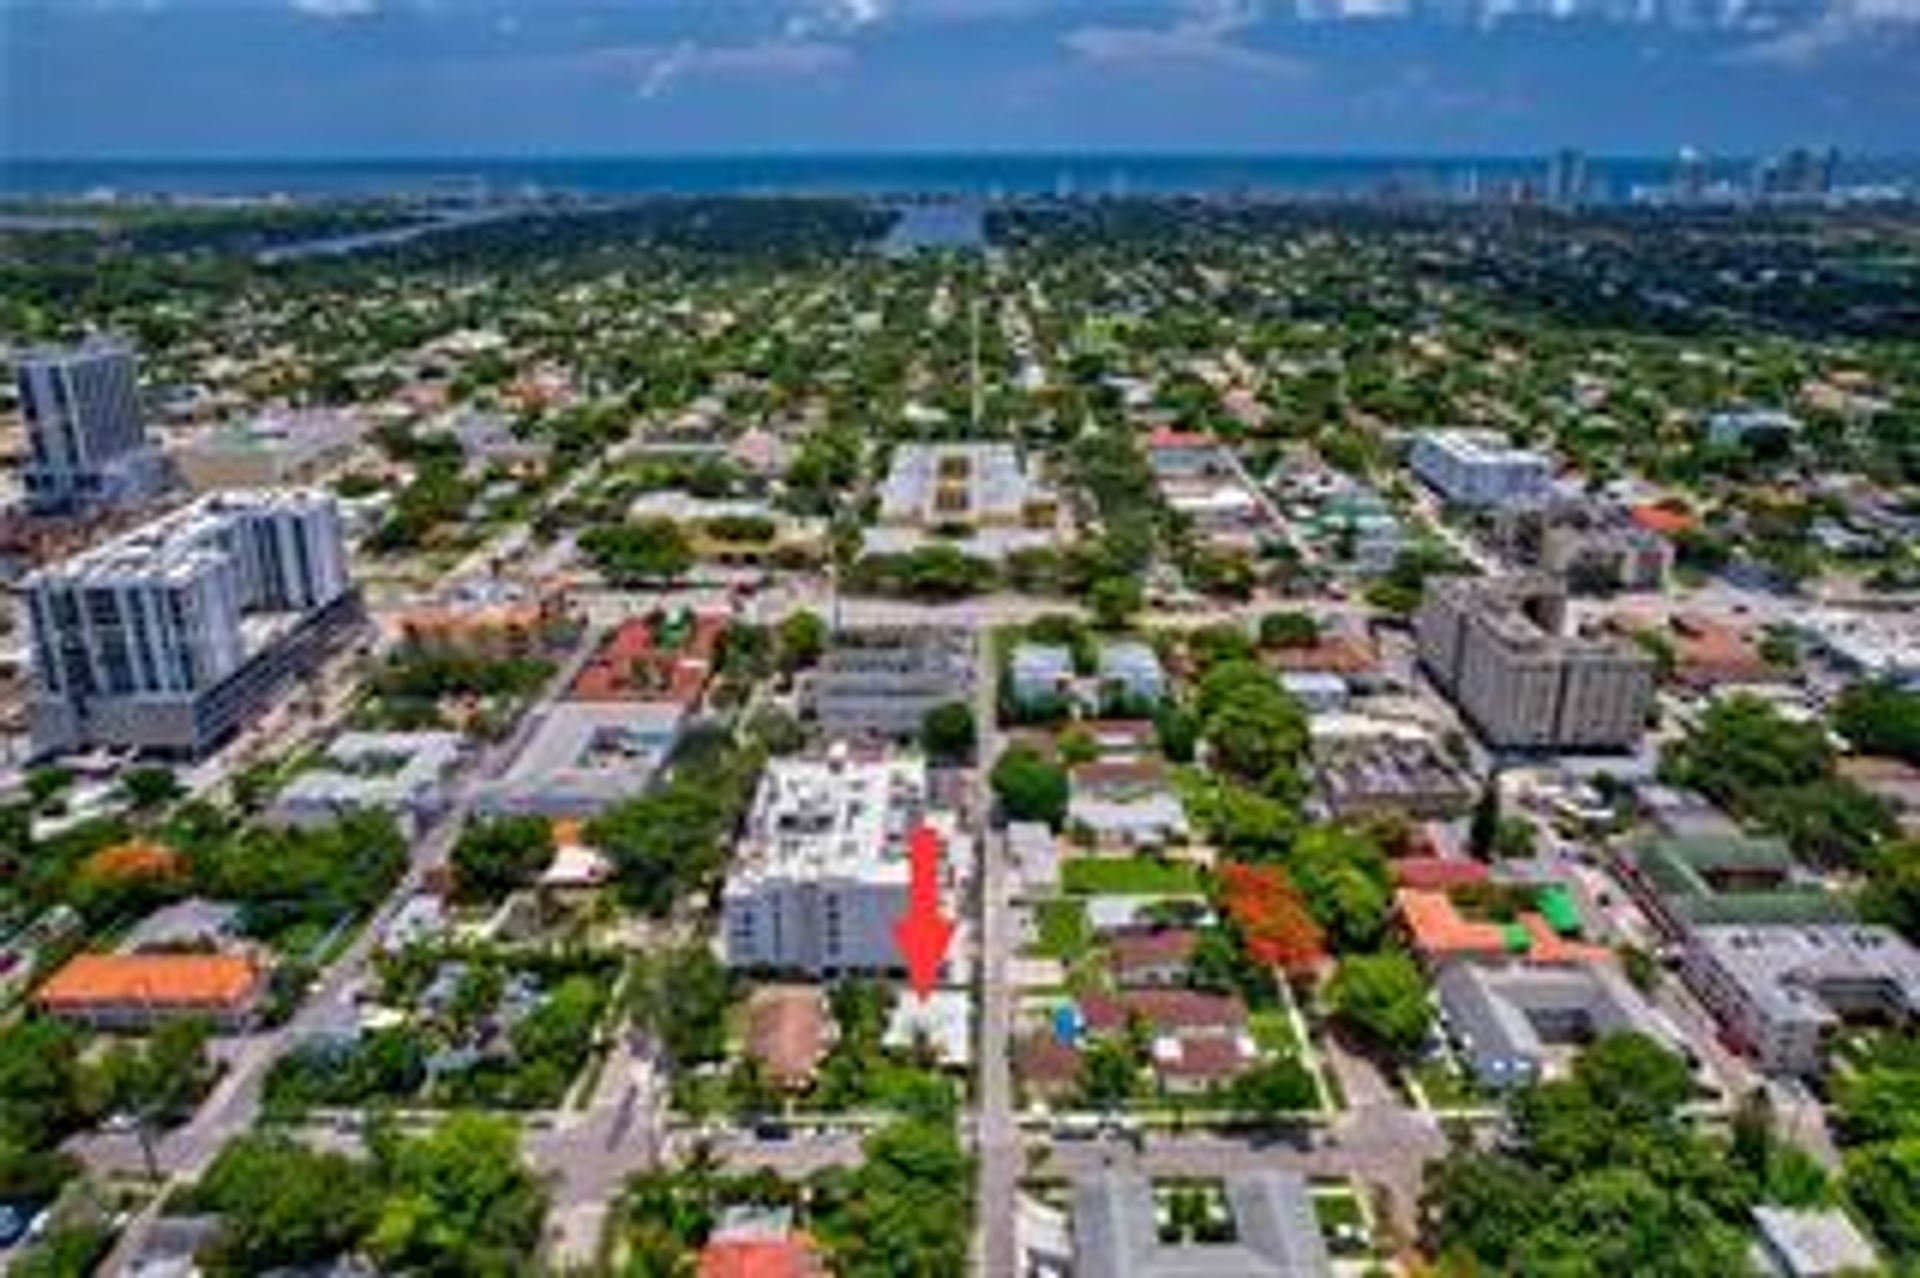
x: 1437, y: 928
x: 1441, y: 931
x: 1662, y: 519
x: 134, y: 859
x: 794, y: 1257
x: 186, y: 980
x: 1550, y: 947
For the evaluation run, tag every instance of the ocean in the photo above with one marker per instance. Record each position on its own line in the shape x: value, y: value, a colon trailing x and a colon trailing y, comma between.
x: 982, y: 176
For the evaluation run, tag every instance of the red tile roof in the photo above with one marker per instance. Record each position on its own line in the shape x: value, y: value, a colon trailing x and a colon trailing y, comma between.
x: 1437, y: 872
x: 1168, y: 437
x: 1134, y: 951
x: 1169, y: 1011
x: 1205, y: 1058
x: 1042, y: 1059
x: 629, y: 667
x: 794, y: 1257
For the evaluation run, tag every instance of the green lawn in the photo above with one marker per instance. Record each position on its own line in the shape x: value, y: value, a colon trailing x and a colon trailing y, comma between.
x: 1101, y: 876
x: 1445, y: 1086
x: 1063, y: 930
x: 1273, y: 1031
x: 1340, y: 1219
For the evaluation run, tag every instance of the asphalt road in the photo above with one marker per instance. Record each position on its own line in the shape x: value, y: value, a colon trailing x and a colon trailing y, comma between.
x: 997, y: 1136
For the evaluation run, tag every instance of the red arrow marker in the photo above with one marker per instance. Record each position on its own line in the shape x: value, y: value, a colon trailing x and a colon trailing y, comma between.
x: 923, y: 933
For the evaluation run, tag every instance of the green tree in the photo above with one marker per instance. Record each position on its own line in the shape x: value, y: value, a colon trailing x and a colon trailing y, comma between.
x: 1880, y: 717
x: 641, y: 553
x: 1884, y: 1181
x: 947, y: 733
x: 1289, y: 630
x: 495, y: 856
x: 1256, y: 733
x: 1278, y: 1088
x: 1892, y: 894
x: 282, y: 1204
x: 1382, y: 999
x: 802, y: 640
x: 1114, y: 601
x: 459, y: 1201
x: 1633, y: 1079
x: 904, y: 1210
x: 1076, y: 746
x: 1484, y: 828
x: 1348, y: 885
x: 149, y: 788
x: 1480, y: 1205
x: 1177, y: 732
x: 1619, y: 1221
x: 1030, y: 786
x: 1109, y: 1074
x: 681, y: 997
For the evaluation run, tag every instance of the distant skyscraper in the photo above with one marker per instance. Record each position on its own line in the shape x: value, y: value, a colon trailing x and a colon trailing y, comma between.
x: 1690, y: 176
x: 1800, y: 174
x: 84, y: 427
x: 1828, y: 176
x: 1567, y: 179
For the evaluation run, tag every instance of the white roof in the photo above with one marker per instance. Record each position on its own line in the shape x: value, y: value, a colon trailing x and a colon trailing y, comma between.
x: 832, y: 817
x: 944, y: 1017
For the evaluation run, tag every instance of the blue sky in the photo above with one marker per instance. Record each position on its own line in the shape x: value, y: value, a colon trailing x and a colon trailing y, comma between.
x: 181, y: 78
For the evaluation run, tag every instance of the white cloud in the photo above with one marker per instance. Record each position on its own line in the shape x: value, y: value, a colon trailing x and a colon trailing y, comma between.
x: 336, y: 8
x: 656, y: 70
x: 1202, y: 34
x: 1839, y: 25
x: 833, y: 17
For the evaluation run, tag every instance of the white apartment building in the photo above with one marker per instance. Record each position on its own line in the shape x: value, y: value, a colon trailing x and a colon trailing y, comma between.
x: 85, y: 432
x: 821, y: 877
x: 1479, y: 468
x: 1495, y: 647
x: 168, y: 638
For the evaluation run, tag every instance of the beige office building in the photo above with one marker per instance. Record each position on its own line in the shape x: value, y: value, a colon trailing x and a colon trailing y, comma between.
x: 1496, y: 647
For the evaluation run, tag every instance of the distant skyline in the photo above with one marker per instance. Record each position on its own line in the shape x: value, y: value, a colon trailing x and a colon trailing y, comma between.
x: 425, y: 78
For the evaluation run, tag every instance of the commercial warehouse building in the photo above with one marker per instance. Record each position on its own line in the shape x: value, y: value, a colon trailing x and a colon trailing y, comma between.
x: 1782, y: 991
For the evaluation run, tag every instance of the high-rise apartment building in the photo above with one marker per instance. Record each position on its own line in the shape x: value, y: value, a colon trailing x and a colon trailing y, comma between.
x: 1567, y: 179
x: 821, y: 876
x: 1495, y: 647
x: 87, y: 439
x: 169, y: 638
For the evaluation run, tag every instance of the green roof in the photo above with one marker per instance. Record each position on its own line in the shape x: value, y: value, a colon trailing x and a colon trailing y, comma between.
x: 1678, y: 868
x: 1518, y: 939
x: 1557, y: 908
